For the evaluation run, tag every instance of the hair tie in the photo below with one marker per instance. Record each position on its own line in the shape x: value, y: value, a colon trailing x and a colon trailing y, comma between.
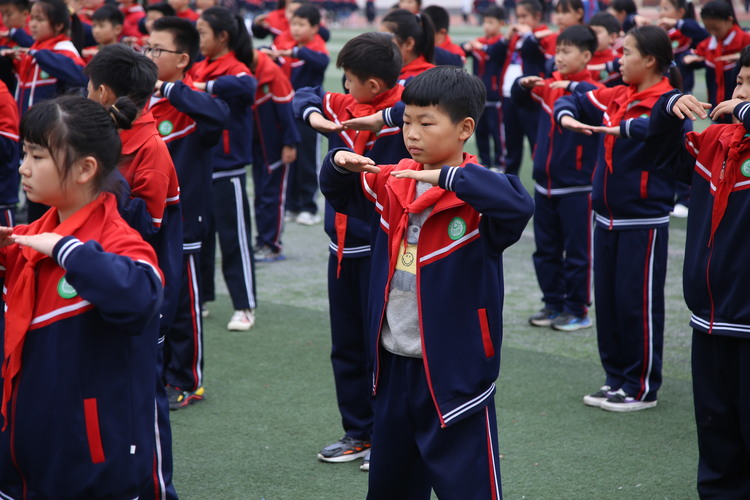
x: 112, y: 110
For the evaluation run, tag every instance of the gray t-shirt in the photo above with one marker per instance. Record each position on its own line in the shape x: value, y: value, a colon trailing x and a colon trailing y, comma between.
x: 400, y: 333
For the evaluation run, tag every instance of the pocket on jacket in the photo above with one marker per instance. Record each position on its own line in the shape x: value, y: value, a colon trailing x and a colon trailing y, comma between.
x: 644, y: 185
x: 226, y: 142
x: 93, y: 432
x: 484, y: 326
x: 579, y: 157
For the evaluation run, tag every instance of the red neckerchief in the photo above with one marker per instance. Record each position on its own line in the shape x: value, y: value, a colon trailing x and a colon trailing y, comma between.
x: 285, y: 41
x: 481, y: 55
x: 22, y: 297
x: 417, y: 66
x: 361, y: 139
x: 737, y: 149
x: 228, y: 64
x: 624, y: 102
x: 452, y: 47
x: 277, y: 22
x: 714, y: 48
x: 512, y: 48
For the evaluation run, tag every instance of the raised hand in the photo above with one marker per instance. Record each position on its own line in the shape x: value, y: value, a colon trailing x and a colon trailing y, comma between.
x: 354, y: 162
x: 42, y: 243
x: 688, y: 106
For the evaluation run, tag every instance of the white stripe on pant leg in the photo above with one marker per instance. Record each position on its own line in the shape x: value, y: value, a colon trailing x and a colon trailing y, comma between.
x: 282, y: 204
x: 197, y: 316
x: 247, y: 270
x: 159, y: 465
x: 650, y: 291
x: 493, y: 464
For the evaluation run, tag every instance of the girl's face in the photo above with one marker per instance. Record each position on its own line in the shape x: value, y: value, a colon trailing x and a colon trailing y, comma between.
x: 410, y: 5
x: 568, y: 18
x: 40, y: 177
x: 668, y: 9
x: 525, y: 16
x: 210, y: 44
x: 40, y: 26
x: 719, y: 28
x: 634, y: 66
x: 290, y: 8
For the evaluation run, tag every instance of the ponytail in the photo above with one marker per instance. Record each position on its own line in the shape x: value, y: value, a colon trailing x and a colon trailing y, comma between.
x: 221, y: 19
x: 123, y: 112
x: 77, y: 35
x: 404, y: 25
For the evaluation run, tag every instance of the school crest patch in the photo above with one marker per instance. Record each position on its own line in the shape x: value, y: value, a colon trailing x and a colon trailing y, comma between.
x: 65, y: 289
x: 166, y: 127
x: 745, y: 168
x: 43, y: 75
x: 456, y: 228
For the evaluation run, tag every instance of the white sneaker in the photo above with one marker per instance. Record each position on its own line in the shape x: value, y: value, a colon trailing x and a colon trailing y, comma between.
x: 290, y: 216
x: 307, y: 219
x: 242, y: 320
x: 621, y: 402
x: 205, y: 313
x: 680, y: 211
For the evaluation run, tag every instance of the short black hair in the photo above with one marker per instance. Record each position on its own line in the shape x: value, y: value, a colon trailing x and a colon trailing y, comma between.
x: 568, y: 5
x: 496, y: 11
x: 606, y: 21
x: 745, y: 57
x: 309, y: 12
x: 579, y: 36
x: 371, y: 55
x: 21, y: 5
x: 162, y: 7
x: 721, y: 10
x: 109, y: 12
x: 626, y: 6
x: 454, y: 91
x: 533, y: 6
x: 439, y: 16
x: 186, y: 38
x: 125, y: 71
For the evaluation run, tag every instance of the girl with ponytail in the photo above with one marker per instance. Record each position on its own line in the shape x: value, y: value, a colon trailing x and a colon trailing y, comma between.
x: 225, y: 73
x: 81, y: 325
x: 685, y: 33
x: 632, y: 200
x: 414, y: 35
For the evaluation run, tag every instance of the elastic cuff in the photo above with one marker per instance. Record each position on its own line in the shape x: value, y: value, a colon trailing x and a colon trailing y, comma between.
x: 562, y: 113
x: 448, y: 177
x: 333, y: 162
x: 308, y: 111
x: 740, y: 111
x: 210, y: 86
x: 166, y: 88
x: 671, y: 101
x: 64, y: 249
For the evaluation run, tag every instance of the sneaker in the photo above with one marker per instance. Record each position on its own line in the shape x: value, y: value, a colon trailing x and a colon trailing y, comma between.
x: 680, y: 211
x: 307, y: 219
x: 345, y: 449
x: 205, y: 313
x: 365, y: 466
x: 242, y: 320
x: 543, y: 317
x: 290, y: 216
x: 569, y: 323
x: 596, y: 399
x: 621, y: 402
x: 180, y: 399
x: 267, y: 254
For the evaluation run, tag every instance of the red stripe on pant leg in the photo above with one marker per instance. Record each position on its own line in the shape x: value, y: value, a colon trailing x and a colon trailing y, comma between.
x: 646, y: 311
x: 491, y: 456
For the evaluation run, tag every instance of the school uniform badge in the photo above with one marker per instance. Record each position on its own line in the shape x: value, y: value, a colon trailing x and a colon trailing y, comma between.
x: 745, y: 168
x: 65, y: 289
x: 166, y: 127
x: 456, y: 228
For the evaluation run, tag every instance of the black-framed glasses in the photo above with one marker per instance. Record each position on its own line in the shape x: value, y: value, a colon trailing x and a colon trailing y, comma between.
x: 157, y: 51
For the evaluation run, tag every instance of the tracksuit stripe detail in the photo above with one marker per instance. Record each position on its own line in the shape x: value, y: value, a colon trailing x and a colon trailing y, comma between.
x: 195, y: 313
x: 245, y: 256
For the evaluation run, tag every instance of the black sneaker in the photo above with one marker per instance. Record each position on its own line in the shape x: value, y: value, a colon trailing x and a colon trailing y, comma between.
x: 180, y: 399
x: 344, y: 450
x: 596, y: 399
x: 621, y: 402
x: 543, y: 317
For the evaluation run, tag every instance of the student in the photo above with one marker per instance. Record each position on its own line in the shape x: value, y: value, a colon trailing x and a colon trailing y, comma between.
x: 16, y: 20
x: 371, y: 64
x: 415, y: 37
x: 607, y: 29
x: 81, y: 322
x: 133, y: 13
x: 154, y: 12
x: 9, y: 155
x: 719, y: 52
x: 52, y: 65
x: 275, y: 139
x: 632, y: 201
x: 224, y: 72
x: 678, y: 18
x: 568, y: 13
x: 413, y: 6
x: 715, y: 163
x: 429, y: 206
x: 276, y: 22
x: 488, y: 54
x: 152, y: 208
x: 626, y: 13
x: 446, y: 52
x: 190, y: 122
x: 304, y: 57
x: 562, y: 195
x: 183, y: 11
x: 107, y: 28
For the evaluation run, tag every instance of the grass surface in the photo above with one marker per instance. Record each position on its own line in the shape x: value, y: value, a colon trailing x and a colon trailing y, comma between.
x: 270, y: 400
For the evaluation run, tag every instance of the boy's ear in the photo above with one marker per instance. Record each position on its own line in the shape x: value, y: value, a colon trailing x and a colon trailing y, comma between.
x: 374, y: 86
x: 587, y: 55
x: 108, y: 96
x: 117, y: 28
x: 316, y: 28
x: 183, y: 61
x: 466, y: 128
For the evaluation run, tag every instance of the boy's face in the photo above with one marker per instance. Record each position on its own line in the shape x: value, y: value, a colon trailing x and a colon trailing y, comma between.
x: 742, y: 89
x: 105, y: 33
x: 620, y: 15
x: 604, y: 39
x: 668, y: 9
x: 171, y: 65
x: 151, y: 16
x: 719, y: 28
x: 301, y: 29
x: 13, y: 17
x: 432, y: 138
x: 359, y: 89
x: 491, y: 26
x: 570, y: 59
x: 525, y: 16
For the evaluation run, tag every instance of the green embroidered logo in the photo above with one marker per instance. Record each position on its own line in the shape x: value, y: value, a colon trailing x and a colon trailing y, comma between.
x: 745, y: 169
x: 166, y: 127
x: 456, y: 228
x: 65, y: 289
x: 43, y: 75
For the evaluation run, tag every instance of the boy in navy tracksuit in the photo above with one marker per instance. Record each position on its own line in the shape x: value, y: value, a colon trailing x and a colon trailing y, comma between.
x: 488, y: 54
x: 151, y: 206
x: 303, y: 54
x: 717, y: 164
x: 275, y: 139
x: 563, y: 164
x: 190, y: 122
x: 371, y: 64
x: 440, y: 223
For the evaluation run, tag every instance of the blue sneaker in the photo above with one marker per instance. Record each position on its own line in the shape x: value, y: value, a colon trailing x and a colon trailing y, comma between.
x: 268, y: 254
x: 543, y: 317
x: 569, y: 323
